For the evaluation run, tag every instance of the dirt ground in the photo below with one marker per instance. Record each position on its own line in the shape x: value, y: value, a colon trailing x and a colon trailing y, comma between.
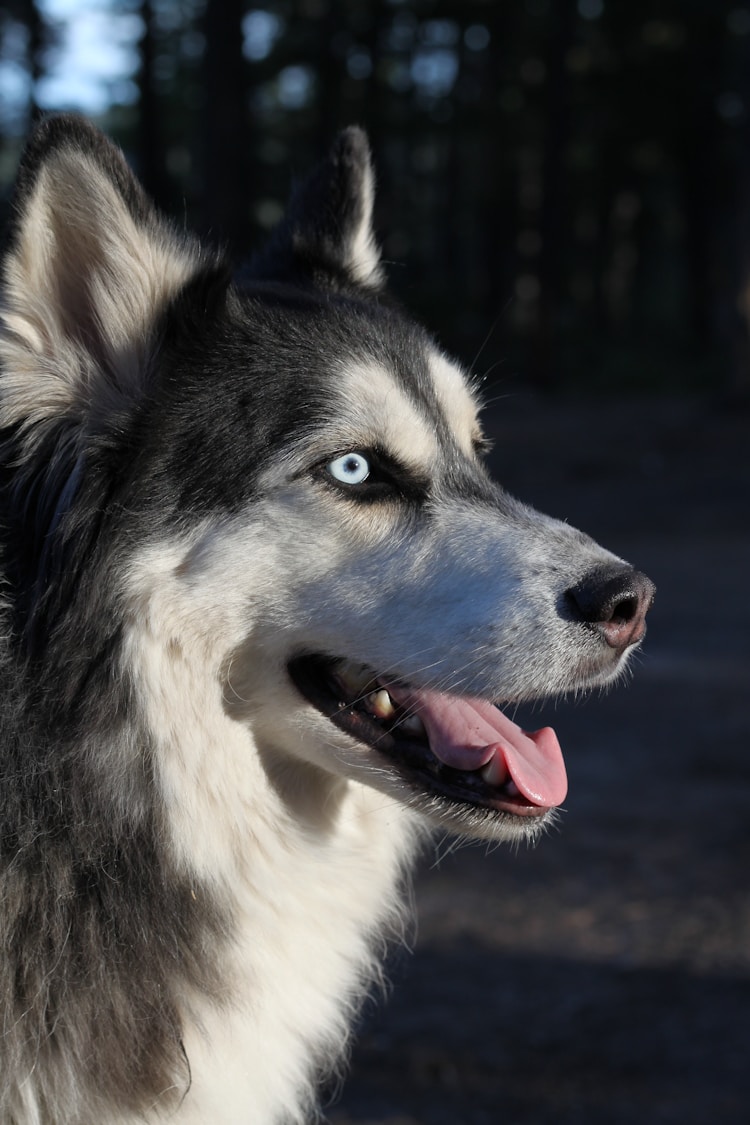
x: 603, y: 977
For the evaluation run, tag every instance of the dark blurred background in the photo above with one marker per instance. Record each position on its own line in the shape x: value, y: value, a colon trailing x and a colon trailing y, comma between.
x: 570, y: 177
x: 564, y: 199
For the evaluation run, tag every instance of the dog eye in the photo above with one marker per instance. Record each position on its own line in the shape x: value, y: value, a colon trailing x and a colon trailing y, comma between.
x: 351, y: 468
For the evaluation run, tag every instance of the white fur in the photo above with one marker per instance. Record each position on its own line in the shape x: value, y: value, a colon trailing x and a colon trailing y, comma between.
x: 311, y: 864
x: 458, y: 401
x: 363, y: 255
x: 375, y: 408
x: 82, y: 256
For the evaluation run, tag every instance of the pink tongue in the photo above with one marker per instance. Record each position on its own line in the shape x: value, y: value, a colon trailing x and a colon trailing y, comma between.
x: 468, y: 733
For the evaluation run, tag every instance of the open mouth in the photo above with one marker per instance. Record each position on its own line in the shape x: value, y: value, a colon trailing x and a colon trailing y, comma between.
x: 460, y: 748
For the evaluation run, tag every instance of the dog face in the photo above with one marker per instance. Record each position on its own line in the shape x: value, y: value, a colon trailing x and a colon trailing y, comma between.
x: 402, y: 591
x: 301, y: 469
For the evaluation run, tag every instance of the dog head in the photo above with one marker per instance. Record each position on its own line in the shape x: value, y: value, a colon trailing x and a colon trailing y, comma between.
x: 280, y: 484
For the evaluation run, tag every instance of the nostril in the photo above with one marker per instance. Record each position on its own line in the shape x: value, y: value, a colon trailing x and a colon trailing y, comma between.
x: 623, y: 611
x: 615, y: 600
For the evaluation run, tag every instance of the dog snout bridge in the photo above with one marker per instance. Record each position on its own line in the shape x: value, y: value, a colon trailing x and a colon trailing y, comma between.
x: 614, y: 600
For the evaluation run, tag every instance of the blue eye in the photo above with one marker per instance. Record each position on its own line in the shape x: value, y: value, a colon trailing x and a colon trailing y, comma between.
x: 351, y: 468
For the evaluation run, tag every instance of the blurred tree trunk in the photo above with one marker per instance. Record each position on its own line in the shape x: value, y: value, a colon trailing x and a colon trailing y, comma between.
x: 498, y: 218
x: 374, y: 101
x: 329, y: 77
x: 739, y: 386
x: 37, y: 42
x: 227, y: 191
x: 699, y: 155
x: 149, y: 140
x: 552, y: 225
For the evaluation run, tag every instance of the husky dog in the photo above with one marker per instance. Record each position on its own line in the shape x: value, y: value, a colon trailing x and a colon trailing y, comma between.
x: 260, y: 599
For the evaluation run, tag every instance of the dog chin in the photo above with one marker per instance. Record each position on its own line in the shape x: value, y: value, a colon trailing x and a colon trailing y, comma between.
x: 471, y: 823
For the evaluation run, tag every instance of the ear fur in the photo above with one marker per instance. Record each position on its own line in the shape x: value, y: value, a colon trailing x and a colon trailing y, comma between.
x: 326, y: 235
x: 88, y: 269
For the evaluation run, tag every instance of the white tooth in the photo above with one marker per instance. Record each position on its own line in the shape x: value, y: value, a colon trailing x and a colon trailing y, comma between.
x: 381, y: 704
x: 495, y: 772
x: 412, y: 724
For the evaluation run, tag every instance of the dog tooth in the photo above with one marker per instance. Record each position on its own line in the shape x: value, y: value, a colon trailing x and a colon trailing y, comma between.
x: 495, y: 771
x: 381, y: 704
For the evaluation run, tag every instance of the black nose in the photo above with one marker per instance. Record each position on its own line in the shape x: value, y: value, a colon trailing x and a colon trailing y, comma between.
x: 614, y: 600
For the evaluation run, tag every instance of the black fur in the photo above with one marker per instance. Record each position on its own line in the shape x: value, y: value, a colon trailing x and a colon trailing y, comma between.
x: 309, y: 246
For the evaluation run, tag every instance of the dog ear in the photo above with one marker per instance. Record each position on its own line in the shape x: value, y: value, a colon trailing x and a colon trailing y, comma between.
x: 326, y: 235
x: 88, y: 270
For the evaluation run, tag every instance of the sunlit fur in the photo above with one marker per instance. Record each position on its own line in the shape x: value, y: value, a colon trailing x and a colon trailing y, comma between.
x: 199, y: 871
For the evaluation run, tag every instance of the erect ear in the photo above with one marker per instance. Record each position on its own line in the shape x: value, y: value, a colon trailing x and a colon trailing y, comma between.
x: 326, y: 235
x: 88, y: 270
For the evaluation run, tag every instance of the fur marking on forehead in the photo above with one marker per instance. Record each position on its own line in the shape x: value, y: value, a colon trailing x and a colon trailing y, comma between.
x: 456, y: 399
x: 379, y: 411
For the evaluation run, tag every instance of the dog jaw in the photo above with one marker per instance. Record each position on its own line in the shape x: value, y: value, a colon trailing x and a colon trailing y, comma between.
x: 450, y: 755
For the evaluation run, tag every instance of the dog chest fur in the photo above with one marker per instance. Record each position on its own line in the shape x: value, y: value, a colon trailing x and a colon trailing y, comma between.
x: 310, y: 867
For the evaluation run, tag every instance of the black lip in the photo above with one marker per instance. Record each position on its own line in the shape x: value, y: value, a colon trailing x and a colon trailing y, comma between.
x: 314, y: 677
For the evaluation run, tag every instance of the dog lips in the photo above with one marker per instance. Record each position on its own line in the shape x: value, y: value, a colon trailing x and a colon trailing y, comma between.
x: 469, y: 734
